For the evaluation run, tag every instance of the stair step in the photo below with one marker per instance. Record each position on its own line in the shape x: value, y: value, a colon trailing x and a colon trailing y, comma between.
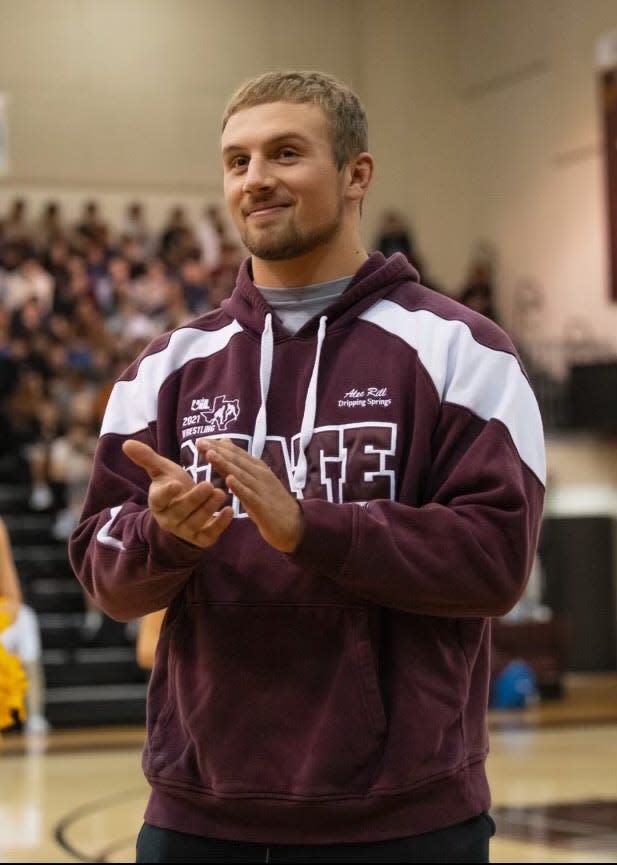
x: 13, y: 468
x: 30, y: 529
x: 14, y: 498
x: 40, y: 552
x: 55, y: 595
x: 94, y: 705
x: 35, y: 561
x: 64, y: 630
x: 99, y: 665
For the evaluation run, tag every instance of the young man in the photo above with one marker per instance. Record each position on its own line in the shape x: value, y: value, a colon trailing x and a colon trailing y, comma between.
x: 333, y: 483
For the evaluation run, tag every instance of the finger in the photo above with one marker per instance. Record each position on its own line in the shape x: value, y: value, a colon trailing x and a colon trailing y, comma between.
x: 147, y: 458
x: 191, y: 510
x: 244, y: 467
x: 214, y: 527
x: 224, y: 447
x: 163, y: 494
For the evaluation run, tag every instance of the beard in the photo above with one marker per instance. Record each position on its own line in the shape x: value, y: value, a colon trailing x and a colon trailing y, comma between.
x: 289, y: 241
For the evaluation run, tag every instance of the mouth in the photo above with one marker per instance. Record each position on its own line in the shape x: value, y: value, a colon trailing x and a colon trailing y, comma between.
x: 265, y: 210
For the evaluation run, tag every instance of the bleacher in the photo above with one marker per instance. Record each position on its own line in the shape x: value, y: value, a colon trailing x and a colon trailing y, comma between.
x: 91, y: 678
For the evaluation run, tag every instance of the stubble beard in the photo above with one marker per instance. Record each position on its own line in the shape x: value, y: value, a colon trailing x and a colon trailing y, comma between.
x: 289, y: 241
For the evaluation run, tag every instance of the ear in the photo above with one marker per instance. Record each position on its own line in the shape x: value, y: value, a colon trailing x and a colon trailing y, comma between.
x: 360, y: 171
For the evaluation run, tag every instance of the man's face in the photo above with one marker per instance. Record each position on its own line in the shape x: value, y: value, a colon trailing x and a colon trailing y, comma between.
x: 283, y: 190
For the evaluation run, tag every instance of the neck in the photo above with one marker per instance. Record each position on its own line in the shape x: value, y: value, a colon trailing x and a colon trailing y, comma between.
x: 322, y: 265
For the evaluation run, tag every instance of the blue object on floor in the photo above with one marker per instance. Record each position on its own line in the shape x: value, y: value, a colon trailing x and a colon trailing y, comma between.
x: 515, y: 687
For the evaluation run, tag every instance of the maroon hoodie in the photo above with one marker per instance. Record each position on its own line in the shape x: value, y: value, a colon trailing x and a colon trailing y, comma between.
x: 339, y: 693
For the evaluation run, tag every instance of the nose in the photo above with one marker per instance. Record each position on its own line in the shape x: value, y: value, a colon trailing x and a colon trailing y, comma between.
x: 257, y: 177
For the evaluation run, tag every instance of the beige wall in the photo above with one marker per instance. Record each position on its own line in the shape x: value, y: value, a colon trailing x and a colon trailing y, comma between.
x: 529, y: 84
x: 484, y: 118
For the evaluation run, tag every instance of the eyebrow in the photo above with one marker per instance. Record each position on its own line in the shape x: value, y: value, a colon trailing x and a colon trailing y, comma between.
x: 277, y: 139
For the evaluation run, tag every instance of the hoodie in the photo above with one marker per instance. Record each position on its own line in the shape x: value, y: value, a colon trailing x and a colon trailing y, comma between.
x: 338, y: 693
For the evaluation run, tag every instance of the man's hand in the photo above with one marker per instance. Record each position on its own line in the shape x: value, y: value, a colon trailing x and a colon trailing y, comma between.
x: 180, y: 506
x: 275, y: 512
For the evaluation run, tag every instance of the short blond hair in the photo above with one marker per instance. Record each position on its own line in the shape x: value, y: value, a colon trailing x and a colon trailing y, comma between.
x: 344, y: 112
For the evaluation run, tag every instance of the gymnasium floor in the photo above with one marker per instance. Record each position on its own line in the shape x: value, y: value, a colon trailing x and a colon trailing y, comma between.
x: 78, y: 795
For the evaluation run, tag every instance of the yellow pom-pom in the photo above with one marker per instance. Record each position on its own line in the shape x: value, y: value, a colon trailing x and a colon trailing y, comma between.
x: 13, y: 681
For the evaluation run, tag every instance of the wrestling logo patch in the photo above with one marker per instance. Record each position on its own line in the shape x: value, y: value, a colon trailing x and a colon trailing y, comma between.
x: 210, y: 416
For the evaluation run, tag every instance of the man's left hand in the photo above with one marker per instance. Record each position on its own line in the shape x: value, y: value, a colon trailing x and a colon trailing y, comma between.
x: 273, y: 509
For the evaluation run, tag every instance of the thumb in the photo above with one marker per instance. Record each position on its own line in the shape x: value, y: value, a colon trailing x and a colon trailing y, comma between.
x: 143, y: 455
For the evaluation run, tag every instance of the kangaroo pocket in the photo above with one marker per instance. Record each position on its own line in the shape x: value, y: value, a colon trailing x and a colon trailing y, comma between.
x: 271, y: 699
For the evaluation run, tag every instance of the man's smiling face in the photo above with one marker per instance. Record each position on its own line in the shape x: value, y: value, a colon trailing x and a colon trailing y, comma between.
x: 282, y: 187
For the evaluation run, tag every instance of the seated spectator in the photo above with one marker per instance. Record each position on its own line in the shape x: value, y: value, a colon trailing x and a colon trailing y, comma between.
x: 28, y: 279
x: 135, y: 228
x: 70, y: 460
x: 151, y: 289
x: 193, y: 276
x: 222, y: 281
x: 210, y: 234
x: 33, y: 417
x: 177, y: 238
x: 16, y: 228
x: 49, y: 228
x: 90, y: 226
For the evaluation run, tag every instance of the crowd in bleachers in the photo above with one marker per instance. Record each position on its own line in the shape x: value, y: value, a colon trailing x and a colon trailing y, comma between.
x: 78, y: 301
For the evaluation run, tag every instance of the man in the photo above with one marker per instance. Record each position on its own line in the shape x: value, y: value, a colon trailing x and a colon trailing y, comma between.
x: 333, y: 483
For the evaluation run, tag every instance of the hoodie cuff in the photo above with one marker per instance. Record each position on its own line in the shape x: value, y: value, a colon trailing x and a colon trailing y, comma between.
x: 327, y: 538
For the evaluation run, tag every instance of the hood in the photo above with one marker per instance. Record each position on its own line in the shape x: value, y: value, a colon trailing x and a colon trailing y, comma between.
x: 376, y: 278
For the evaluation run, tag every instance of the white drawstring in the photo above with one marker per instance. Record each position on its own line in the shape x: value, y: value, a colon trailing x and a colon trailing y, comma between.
x: 265, y: 373
x: 308, y: 419
x: 310, y: 403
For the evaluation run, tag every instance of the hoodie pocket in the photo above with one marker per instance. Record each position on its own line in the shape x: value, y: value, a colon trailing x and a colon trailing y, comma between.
x: 271, y: 699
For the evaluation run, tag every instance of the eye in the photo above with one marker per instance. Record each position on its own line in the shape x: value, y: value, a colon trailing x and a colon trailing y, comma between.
x: 287, y: 153
x: 238, y: 162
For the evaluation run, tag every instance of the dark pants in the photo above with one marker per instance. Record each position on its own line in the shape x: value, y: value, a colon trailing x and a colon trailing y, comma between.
x: 464, y: 842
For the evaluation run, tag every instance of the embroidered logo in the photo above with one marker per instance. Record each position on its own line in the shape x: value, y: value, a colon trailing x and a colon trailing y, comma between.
x: 363, y: 397
x: 210, y: 417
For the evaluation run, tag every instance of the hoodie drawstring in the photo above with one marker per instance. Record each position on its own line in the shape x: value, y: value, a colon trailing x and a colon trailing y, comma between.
x: 310, y: 404
x: 265, y: 374
x: 308, y: 419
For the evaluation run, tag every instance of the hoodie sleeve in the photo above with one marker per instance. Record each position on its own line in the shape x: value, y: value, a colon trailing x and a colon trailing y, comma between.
x: 125, y: 562
x: 468, y: 547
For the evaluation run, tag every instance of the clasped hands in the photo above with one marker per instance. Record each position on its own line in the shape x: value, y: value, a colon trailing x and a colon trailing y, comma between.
x: 196, y: 512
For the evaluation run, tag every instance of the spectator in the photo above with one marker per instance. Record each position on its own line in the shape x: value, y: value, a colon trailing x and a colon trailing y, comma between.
x: 210, y: 236
x: 394, y: 235
x: 90, y: 226
x: 23, y: 638
x: 135, y: 228
x: 177, y: 238
x: 193, y: 277
x: 50, y: 228
x: 29, y: 279
x: 478, y: 292
x: 16, y: 229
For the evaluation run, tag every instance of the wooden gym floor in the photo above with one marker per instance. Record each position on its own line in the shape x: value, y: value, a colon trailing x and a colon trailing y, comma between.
x: 78, y: 795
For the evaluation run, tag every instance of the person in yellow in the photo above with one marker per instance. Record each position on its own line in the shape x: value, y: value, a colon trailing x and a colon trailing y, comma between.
x: 13, y: 682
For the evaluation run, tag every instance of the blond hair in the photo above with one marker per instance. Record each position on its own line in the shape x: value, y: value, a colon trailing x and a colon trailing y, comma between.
x: 344, y: 111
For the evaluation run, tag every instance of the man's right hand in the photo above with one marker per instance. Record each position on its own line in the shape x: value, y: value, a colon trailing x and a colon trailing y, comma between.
x: 193, y: 512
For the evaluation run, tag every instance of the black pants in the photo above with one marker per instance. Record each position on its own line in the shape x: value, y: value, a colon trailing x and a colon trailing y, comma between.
x: 464, y: 842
